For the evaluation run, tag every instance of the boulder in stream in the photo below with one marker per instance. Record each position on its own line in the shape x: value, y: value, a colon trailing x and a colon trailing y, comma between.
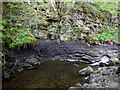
x: 86, y: 71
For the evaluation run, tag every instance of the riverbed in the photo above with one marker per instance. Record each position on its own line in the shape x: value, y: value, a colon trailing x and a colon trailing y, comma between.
x: 52, y: 74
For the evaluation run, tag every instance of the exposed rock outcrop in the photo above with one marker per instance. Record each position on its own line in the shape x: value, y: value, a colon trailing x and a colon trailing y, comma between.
x: 49, y: 50
x: 104, y: 77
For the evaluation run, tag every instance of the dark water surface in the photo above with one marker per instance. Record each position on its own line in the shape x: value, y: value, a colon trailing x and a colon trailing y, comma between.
x: 51, y: 74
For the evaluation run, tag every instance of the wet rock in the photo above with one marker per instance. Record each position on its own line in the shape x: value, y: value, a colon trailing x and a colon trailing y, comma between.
x: 86, y: 85
x: 95, y: 64
x: 112, y: 63
x: 71, y: 56
x: 58, y: 58
x: 26, y: 65
x: 112, y: 53
x: 104, y: 77
x: 78, y: 55
x: 86, y: 71
x: 33, y: 60
x: 87, y: 78
x: 94, y: 53
x: 17, y: 61
x: 79, y: 85
x: 6, y: 74
x: 94, y: 85
x: 74, y: 88
x: 115, y: 60
x: 105, y: 60
x: 72, y: 60
x: 87, y: 58
x: 118, y: 70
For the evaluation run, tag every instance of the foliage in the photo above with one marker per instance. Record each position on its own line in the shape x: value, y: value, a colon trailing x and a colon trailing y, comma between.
x: 21, y: 38
x: 106, y: 34
x: 111, y: 7
x: 53, y: 28
x: 21, y: 19
x: 105, y: 10
x: 16, y: 32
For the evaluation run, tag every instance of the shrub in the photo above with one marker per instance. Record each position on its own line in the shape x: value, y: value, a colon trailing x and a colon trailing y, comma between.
x: 106, y: 34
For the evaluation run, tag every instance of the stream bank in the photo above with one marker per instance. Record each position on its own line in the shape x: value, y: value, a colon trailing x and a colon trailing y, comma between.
x: 49, y: 50
x: 103, y: 77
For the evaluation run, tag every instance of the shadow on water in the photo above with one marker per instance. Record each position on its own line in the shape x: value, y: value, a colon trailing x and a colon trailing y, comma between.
x: 51, y: 74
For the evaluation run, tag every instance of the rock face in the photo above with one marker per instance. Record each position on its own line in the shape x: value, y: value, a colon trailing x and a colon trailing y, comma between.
x: 16, y: 62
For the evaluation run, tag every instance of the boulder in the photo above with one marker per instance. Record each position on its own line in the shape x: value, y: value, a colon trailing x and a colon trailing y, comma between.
x: 114, y: 59
x: 86, y: 85
x: 105, y: 60
x: 79, y: 85
x: 86, y: 71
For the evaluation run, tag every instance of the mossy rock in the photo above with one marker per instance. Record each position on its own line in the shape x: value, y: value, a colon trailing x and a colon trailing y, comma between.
x: 86, y: 71
x: 112, y: 63
x: 79, y: 85
x: 86, y: 85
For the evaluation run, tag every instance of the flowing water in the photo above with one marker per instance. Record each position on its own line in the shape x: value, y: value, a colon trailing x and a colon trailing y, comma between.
x: 51, y: 74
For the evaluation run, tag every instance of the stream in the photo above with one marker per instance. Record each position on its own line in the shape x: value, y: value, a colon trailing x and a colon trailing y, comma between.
x: 50, y: 65
x: 51, y: 74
